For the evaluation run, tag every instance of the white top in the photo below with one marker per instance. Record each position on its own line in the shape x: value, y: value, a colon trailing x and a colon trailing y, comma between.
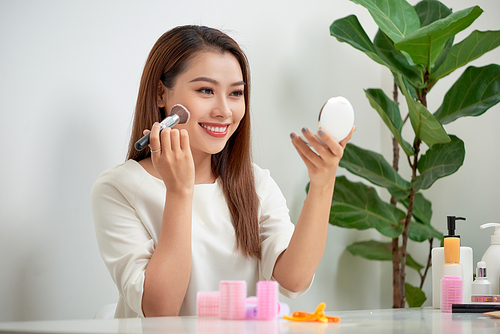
x: 127, y: 205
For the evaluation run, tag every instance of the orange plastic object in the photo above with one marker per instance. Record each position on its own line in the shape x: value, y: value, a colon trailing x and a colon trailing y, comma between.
x: 451, y: 250
x: 317, y: 316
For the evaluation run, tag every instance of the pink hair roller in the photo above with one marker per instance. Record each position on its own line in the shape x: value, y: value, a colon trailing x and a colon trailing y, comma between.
x: 207, y: 303
x: 232, y: 300
x: 451, y: 292
x: 267, y: 300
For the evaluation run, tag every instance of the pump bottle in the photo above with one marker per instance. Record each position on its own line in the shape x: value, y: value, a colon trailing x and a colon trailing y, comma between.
x: 481, y: 286
x: 492, y: 258
x: 458, y: 263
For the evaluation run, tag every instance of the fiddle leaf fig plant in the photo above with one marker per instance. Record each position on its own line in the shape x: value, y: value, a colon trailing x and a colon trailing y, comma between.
x: 417, y: 44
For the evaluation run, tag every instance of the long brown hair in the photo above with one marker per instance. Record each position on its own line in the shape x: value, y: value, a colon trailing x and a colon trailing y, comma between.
x: 170, y: 57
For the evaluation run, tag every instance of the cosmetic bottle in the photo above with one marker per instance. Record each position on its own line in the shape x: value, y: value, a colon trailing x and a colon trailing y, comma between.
x: 481, y: 286
x: 492, y: 258
x: 441, y: 267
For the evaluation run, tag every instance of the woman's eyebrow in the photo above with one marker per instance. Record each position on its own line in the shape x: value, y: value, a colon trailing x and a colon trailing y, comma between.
x: 215, y: 82
x: 212, y: 81
x: 239, y: 83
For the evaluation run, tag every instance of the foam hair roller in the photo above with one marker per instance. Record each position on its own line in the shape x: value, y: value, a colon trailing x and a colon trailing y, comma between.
x: 207, y: 303
x: 232, y: 300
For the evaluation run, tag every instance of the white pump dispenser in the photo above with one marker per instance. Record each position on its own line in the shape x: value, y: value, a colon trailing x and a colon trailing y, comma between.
x: 438, y: 270
x: 492, y: 258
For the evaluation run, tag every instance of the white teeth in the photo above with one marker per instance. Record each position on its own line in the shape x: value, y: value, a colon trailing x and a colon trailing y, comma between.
x: 214, y: 129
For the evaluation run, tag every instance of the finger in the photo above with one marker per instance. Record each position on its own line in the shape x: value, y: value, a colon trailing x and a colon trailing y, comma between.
x: 175, y: 140
x: 306, y: 153
x: 331, y: 144
x: 344, y: 141
x: 165, y: 139
x: 322, y: 151
x: 299, y: 144
x: 145, y: 132
x: 184, y: 136
x: 154, y: 138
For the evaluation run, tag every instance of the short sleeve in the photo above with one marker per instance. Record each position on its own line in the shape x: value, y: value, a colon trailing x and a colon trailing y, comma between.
x: 276, y: 228
x: 125, y: 244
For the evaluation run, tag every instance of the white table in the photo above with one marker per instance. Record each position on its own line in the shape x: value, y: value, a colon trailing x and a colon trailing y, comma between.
x: 415, y: 320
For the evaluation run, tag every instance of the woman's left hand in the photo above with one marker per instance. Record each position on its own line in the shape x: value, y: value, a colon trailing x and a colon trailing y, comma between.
x: 322, y: 166
x: 295, y: 267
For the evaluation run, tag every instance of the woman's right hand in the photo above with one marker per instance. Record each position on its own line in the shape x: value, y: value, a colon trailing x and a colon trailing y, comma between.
x: 168, y: 271
x: 172, y: 158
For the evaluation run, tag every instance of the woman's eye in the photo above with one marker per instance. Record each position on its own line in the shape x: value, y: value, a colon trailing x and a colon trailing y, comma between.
x: 207, y: 91
x: 237, y: 93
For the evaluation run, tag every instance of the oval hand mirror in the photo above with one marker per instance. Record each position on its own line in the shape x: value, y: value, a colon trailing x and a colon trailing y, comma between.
x: 336, y: 118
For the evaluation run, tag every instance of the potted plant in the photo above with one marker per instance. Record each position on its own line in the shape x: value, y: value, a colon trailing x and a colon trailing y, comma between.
x: 416, y: 43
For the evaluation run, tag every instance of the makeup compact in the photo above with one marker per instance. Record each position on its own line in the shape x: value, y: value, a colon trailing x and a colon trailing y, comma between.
x: 336, y: 118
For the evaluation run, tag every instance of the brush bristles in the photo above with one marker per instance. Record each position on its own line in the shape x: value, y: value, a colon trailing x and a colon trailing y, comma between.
x: 182, y: 112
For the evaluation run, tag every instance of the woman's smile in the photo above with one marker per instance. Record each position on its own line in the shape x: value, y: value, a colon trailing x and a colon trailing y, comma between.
x: 215, y: 129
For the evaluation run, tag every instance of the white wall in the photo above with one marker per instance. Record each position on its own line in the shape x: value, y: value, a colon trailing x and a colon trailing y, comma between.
x: 69, y: 74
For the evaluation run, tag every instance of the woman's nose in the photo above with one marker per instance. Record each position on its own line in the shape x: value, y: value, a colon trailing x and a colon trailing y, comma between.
x: 222, y: 108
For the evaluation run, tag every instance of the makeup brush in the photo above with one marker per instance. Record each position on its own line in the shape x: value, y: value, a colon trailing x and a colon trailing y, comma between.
x: 178, y: 114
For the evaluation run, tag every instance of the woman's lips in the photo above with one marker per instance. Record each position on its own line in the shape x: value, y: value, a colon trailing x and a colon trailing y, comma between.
x: 215, y: 129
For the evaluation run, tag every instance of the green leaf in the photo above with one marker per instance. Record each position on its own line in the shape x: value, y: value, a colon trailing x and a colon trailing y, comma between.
x: 426, y: 44
x: 422, y: 208
x: 396, y: 18
x: 426, y: 127
x: 410, y: 262
x: 356, y: 205
x: 474, y: 46
x: 414, y: 296
x: 447, y: 48
x: 391, y: 55
x: 439, y: 161
x: 477, y: 90
x: 350, y: 31
x: 390, y: 114
x: 372, y: 250
x: 373, y: 167
x: 408, y: 86
x: 421, y: 232
x: 429, y: 11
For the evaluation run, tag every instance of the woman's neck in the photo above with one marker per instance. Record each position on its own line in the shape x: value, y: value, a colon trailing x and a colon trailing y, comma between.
x: 203, y: 170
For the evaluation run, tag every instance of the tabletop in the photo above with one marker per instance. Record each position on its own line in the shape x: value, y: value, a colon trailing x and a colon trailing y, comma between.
x: 414, y: 320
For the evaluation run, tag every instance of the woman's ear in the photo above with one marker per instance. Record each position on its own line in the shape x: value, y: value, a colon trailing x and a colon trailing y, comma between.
x: 161, y: 95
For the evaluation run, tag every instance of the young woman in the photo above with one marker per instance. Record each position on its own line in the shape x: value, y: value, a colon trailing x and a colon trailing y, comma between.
x: 191, y: 209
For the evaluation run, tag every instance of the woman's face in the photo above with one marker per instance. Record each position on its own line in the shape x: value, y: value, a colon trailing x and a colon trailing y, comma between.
x: 212, y: 90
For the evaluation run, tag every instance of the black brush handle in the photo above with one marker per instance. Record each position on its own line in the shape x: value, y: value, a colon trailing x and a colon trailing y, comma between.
x: 142, y: 143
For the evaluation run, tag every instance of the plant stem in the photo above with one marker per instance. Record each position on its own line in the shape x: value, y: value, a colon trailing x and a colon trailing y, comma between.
x: 396, y: 298
x: 422, y: 96
x: 411, y: 198
x: 402, y: 272
x: 395, y: 92
x: 429, y: 262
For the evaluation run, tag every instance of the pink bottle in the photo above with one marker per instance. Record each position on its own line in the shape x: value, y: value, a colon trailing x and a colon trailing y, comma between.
x: 232, y: 300
x: 207, y: 303
x: 451, y: 292
x: 267, y: 300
